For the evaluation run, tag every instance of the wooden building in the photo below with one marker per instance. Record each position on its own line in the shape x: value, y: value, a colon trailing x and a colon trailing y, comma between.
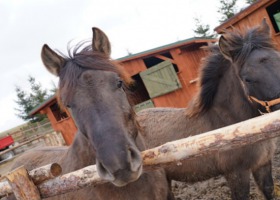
x: 253, y: 16
x: 166, y: 76
x: 61, y: 120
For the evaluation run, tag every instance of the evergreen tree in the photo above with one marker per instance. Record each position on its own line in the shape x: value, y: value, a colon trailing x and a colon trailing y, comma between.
x: 227, y: 9
x: 251, y: 1
x: 202, y: 30
x: 28, y: 101
x: 24, y: 104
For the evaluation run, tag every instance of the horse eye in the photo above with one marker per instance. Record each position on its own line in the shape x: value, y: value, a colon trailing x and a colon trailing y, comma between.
x: 68, y: 106
x: 119, y: 85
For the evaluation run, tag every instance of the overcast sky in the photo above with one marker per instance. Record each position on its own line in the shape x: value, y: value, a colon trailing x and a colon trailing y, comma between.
x: 131, y: 25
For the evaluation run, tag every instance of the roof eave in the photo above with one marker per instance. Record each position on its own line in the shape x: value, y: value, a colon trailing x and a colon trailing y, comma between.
x: 242, y: 14
x: 37, y: 109
x: 164, y: 48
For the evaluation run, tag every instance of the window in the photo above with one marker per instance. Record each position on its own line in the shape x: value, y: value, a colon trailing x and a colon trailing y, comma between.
x: 274, y: 14
x: 140, y: 92
x: 160, y: 79
x: 153, y: 60
x: 58, y: 113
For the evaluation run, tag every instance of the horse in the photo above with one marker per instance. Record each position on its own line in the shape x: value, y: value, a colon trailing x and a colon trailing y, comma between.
x: 93, y: 87
x: 239, y: 73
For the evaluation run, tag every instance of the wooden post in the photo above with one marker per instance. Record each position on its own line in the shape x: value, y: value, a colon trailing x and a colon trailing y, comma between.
x: 44, y: 173
x: 38, y: 176
x: 5, y: 189
x: 22, y: 185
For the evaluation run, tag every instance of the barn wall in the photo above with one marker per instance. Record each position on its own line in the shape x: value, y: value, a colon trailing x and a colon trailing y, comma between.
x: 187, y: 60
x: 66, y: 126
x: 134, y: 66
x: 251, y: 17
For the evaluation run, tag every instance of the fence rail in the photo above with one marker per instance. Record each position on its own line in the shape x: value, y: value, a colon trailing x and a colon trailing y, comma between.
x: 234, y: 136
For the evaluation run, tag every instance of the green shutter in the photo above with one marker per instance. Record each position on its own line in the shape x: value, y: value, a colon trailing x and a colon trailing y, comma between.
x: 144, y: 105
x: 160, y: 79
x: 277, y: 20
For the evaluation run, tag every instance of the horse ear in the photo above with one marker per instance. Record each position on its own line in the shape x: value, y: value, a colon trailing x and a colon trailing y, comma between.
x: 224, y: 47
x: 264, y: 27
x: 100, y: 42
x: 52, y: 61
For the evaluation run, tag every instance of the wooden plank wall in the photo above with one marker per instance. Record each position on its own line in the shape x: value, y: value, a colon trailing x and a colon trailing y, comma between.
x: 188, y: 61
x: 66, y: 126
x: 249, y: 19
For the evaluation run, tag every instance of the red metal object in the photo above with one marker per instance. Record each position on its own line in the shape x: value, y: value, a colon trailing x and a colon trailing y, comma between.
x: 6, y: 142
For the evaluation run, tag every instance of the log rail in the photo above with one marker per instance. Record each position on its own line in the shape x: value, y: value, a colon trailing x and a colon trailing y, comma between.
x: 230, y: 137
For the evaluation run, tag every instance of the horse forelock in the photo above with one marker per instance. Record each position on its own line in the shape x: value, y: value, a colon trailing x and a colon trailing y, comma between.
x: 211, y: 71
x: 84, y: 58
x: 241, y: 45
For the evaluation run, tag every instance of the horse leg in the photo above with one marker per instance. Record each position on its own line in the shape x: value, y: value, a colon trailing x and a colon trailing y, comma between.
x: 264, y: 180
x: 170, y: 193
x: 239, y: 184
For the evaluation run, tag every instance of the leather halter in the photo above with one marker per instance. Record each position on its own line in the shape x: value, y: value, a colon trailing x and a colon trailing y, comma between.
x: 266, y: 104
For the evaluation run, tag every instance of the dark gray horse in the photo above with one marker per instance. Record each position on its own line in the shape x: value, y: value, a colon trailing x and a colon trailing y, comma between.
x: 92, y: 86
x: 252, y: 69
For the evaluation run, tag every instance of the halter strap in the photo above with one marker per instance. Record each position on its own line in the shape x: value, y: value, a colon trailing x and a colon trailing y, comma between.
x: 266, y: 104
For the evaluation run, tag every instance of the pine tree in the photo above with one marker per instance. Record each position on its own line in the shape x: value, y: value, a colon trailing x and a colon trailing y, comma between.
x: 251, y: 1
x: 227, y: 9
x: 202, y: 30
x: 28, y: 101
x: 24, y: 103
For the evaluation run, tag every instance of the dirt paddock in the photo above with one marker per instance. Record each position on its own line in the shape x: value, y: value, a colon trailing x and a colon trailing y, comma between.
x: 213, y: 189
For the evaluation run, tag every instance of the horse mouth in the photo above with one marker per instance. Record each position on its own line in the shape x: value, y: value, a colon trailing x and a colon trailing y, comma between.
x: 120, y: 177
x: 124, y: 178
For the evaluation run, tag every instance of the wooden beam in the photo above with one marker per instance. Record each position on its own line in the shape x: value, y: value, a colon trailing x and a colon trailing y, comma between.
x: 237, y: 135
x: 234, y: 136
x: 71, y: 181
x: 231, y: 137
x: 37, y: 175
x: 165, y: 58
x: 44, y: 173
x: 22, y: 187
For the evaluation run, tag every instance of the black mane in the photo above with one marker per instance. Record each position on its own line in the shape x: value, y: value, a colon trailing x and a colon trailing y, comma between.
x: 211, y: 71
x: 240, y: 45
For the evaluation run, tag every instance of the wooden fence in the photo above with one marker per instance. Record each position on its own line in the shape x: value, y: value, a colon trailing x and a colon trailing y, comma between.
x: 234, y: 136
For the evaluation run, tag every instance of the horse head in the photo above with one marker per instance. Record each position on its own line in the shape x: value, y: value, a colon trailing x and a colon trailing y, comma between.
x: 92, y: 87
x: 256, y: 63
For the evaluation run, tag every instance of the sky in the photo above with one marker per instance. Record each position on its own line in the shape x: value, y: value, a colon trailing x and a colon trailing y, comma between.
x: 131, y: 25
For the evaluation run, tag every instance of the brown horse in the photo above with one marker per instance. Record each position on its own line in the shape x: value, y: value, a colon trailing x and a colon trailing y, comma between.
x: 252, y: 69
x: 93, y: 87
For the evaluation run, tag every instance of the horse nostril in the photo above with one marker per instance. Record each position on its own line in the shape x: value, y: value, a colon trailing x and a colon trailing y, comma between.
x: 135, y: 159
x: 248, y: 80
x: 103, y: 172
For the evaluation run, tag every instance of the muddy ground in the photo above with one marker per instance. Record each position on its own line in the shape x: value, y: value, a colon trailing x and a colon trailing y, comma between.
x: 213, y: 189
x: 217, y: 189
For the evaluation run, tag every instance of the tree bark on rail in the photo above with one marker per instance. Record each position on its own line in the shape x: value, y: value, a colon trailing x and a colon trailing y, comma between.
x: 37, y: 175
x: 234, y: 136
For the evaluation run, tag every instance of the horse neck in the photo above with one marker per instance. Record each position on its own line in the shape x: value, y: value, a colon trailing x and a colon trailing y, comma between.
x: 80, y: 154
x: 231, y: 105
